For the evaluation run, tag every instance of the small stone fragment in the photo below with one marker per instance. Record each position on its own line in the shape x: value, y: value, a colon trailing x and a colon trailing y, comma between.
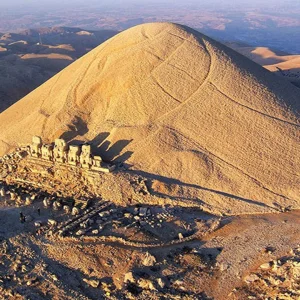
x: 265, y: 266
x: 37, y: 223
x: 251, y: 278
x: 93, y: 283
x: 149, y: 260
x: 129, y: 277
x: 52, y: 222
x: 160, y: 283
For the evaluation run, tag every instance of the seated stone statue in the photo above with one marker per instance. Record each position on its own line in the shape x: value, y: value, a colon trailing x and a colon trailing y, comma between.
x: 97, y: 160
x: 60, y: 150
x: 35, y: 147
x: 47, y: 152
x: 85, y: 156
x: 73, y: 155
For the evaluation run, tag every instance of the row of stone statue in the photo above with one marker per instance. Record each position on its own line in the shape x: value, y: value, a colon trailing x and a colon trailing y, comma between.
x: 62, y: 152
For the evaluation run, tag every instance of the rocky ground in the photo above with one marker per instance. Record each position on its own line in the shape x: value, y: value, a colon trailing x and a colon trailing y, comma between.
x: 67, y: 233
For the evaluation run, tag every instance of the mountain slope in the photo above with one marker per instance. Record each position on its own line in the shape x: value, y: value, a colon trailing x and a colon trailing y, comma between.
x: 204, y: 123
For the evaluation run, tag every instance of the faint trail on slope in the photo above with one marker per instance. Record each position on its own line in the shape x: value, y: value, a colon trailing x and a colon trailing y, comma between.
x: 183, y: 71
x: 253, y: 109
x: 134, y: 45
x: 4, y: 142
x: 200, y: 86
x: 164, y: 90
x: 46, y: 98
x: 57, y: 79
x: 143, y: 32
x: 207, y: 152
x: 191, y: 42
x: 79, y: 82
x: 151, y: 75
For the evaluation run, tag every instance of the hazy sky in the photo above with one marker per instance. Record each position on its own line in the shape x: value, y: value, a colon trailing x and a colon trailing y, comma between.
x: 11, y: 3
x: 37, y: 6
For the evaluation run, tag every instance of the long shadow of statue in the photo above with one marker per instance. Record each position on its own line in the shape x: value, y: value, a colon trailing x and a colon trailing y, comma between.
x: 78, y: 127
x: 100, y: 145
x: 99, y: 139
x: 111, y: 152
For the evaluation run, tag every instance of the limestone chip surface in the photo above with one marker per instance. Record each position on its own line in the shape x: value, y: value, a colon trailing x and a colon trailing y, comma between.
x: 204, y: 123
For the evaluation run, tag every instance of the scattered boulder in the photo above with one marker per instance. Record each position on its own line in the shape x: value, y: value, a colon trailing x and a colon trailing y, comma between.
x: 56, y: 205
x: 2, y: 192
x: 27, y: 201
x: 80, y: 232
x: 129, y: 277
x: 265, y: 266
x: 13, y: 196
x: 149, y: 260
x: 67, y: 209
x: 146, y: 284
x: 251, y: 278
x: 24, y: 268
x: 106, y: 288
x: 54, y: 277
x: 31, y: 281
x: 127, y: 215
x: 75, y: 211
x: 52, y: 222
x: 160, y: 283
x: 143, y: 211
x: 92, y: 282
x: 38, y: 223
x: 46, y: 202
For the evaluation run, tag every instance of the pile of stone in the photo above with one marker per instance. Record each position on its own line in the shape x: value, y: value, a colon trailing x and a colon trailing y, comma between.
x: 165, y: 215
x: 277, y: 277
x: 60, y: 204
x: 145, y: 281
x: 145, y: 217
x: 17, y: 194
x: 140, y: 186
x: 9, y: 162
x: 85, y: 220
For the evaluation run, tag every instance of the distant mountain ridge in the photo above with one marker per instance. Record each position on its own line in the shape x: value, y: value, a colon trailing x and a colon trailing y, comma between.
x: 282, y: 64
x: 30, y: 57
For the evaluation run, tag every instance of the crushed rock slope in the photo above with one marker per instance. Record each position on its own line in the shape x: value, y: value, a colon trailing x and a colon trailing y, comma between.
x: 182, y: 108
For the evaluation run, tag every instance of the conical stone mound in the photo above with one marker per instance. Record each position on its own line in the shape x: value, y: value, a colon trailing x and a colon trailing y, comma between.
x: 206, y: 124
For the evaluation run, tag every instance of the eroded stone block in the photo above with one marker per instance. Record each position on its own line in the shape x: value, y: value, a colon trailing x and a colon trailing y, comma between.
x: 35, y: 147
x: 60, y: 150
x: 47, y: 152
x: 85, y: 156
x: 73, y: 155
